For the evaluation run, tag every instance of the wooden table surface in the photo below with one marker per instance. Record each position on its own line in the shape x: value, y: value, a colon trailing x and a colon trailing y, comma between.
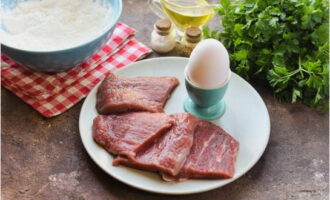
x: 45, y: 159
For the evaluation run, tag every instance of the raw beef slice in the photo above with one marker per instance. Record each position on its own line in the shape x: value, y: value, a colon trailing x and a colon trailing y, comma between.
x: 117, y: 95
x: 169, y: 152
x: 212, y: 155
x: 129, y: 133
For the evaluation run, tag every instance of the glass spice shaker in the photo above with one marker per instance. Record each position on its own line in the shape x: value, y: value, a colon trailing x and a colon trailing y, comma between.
x: 191, y: 37
x: 163, y: 36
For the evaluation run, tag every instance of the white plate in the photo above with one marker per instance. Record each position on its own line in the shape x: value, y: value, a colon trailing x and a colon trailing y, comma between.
x: 246, y: 119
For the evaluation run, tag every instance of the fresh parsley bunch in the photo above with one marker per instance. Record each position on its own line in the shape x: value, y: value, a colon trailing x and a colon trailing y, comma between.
x: 285, y: 42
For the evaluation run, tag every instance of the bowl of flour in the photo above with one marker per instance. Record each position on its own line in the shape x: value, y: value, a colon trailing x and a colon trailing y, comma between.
x: 56, y: 35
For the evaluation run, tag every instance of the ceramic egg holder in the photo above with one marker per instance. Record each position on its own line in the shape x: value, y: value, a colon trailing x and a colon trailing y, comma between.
x: 205, y: 103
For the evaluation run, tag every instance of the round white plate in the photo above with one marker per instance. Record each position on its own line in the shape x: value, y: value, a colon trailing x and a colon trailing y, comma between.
x: 246, y: 119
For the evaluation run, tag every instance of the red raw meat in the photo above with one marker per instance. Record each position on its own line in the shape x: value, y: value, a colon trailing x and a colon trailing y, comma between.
x: 212, y: 155
x: 169, y: 152
x: 117, y: 95
x: 128, y: 133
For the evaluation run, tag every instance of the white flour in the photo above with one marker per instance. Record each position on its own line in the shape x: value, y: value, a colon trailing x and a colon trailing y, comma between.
x: 54, y: 24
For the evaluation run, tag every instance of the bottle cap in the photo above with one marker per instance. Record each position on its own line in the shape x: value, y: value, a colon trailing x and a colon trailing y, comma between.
x: 163, y: 24
x: 193, y: 34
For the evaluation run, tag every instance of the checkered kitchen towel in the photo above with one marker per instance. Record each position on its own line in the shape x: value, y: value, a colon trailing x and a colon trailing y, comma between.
x: 53, y: 94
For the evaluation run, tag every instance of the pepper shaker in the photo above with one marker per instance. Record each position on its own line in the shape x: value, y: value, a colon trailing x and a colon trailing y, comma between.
x: 191, y: 37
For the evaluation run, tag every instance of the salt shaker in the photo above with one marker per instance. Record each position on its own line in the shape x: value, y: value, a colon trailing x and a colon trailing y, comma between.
x: 163, y: 36
x: 191, y: 37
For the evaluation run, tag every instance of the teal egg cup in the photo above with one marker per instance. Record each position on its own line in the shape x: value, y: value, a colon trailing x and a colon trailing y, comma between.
x: 207, y: 104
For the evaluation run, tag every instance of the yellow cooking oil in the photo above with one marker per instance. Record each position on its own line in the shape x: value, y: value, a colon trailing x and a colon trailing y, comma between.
x: 188, y: 13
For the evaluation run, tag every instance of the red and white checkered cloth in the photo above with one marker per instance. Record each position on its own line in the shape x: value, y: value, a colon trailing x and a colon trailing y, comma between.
x: 52, y: 94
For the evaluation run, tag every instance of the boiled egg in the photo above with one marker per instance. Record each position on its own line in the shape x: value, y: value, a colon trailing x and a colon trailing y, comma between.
x: 208, y: 65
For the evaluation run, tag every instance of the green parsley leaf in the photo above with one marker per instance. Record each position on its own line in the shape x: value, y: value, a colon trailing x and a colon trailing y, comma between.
x: 285, y: 42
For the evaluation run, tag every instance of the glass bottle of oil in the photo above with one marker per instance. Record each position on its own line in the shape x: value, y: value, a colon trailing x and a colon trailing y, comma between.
x: 187, y: 13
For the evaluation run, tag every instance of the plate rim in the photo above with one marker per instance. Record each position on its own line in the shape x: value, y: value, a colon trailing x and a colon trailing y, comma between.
x: 161, y: 59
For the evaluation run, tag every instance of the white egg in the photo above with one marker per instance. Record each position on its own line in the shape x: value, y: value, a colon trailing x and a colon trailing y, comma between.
x: 208, y: 65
